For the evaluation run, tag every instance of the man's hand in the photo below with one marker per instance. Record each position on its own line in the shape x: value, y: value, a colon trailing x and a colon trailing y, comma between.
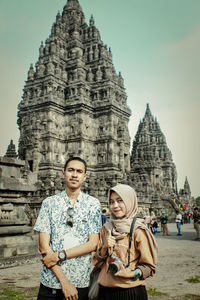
x: 69, y: 290
x: 50, y: 258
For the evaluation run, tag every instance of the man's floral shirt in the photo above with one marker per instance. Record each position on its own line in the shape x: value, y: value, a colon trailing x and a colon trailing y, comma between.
x: 52, y: 219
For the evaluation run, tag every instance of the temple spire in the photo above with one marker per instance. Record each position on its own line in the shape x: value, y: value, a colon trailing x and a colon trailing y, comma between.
x: 187, y: 186
x: 72, y: 4
x: 148, y: 112
x: 73, y: 12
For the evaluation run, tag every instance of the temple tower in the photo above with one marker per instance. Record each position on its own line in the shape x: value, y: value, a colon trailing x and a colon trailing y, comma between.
x: 187, y: 188
x: 185, y: 197
x: 152, y: 169
x: 74, y: 103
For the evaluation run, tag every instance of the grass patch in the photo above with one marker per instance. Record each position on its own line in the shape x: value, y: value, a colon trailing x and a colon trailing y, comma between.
x: 11, y: 294
x: 195, y: 279
x: 154, y: 292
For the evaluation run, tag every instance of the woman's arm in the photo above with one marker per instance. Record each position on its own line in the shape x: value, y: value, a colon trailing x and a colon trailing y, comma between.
x: 145, y: 262
x: 50, y: 258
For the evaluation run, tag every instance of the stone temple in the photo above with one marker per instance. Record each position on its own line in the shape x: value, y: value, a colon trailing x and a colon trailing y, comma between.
x: 74, y: 104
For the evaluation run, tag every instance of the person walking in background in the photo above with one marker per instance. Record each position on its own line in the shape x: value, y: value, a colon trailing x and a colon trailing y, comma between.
x: 119, y: 279
x: 196, y: 217
x: 163, y: 221
x: 68, y: 224
x: 104, y: 217
x: 178, y: 222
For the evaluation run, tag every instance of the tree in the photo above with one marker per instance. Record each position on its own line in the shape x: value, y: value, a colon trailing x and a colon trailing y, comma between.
x: 198, y: 201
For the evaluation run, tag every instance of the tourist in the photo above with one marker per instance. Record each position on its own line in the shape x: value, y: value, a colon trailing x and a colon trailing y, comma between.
x: 147, y: 220
x: 154, y: 224
x: 118, y: 279
x: 164, y: 221
x: 68, y: 226
x: 189, y: 217
x: 185, y: 218
x: 178, y: 222
x: 104, y: 217
x: 196, y: 217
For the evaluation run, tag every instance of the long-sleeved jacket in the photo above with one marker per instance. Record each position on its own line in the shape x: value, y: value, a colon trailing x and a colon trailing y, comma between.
x: 140, y: 257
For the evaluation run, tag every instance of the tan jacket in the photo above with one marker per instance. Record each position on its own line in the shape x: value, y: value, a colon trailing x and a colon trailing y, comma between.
x: 140, y: 257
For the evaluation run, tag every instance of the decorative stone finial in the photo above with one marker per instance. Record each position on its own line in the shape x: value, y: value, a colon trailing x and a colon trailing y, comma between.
x: 91, y: 20
x: 11, y: 152
x: 31, y: 73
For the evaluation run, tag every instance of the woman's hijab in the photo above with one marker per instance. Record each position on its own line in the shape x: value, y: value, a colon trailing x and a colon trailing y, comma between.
x: 120, y: 227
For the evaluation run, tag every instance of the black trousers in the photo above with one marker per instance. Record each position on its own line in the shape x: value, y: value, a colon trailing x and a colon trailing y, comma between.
x: 135, y: 293
x: 46, y: 293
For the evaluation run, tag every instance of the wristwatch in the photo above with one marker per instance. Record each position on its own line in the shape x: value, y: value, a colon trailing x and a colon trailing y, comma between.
x: 62, y: 255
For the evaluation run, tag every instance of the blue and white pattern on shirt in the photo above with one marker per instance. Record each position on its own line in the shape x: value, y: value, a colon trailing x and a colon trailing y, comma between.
x: 52, y: 219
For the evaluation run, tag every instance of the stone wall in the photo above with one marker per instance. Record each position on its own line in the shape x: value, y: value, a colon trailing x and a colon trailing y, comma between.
x: 16, y: 188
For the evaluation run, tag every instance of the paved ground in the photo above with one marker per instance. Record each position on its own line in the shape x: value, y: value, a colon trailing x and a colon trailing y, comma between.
x: 179, y: 259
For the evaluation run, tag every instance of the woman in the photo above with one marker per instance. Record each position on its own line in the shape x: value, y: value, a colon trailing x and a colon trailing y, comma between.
x: 117, y: 280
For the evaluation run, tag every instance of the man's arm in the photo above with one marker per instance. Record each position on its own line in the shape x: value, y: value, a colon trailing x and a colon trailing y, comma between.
x: 69, y: 290
x: 50, y: 258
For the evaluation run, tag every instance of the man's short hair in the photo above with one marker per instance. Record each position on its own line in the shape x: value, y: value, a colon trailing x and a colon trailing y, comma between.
x: 75, y: 158
x: 196, y: 208
x: 104, y: 211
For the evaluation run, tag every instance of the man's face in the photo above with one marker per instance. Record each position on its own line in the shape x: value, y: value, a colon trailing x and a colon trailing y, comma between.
x: 74, y: 174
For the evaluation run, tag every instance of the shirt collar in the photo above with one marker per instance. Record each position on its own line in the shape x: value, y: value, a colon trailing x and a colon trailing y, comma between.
x: 66, y: 198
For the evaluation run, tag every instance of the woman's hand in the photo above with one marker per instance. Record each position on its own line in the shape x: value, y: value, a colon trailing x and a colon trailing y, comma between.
x: 136, y: 274
x: 109, y: 240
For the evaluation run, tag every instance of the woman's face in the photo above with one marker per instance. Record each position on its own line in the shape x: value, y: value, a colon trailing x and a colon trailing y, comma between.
x: 117, y: 205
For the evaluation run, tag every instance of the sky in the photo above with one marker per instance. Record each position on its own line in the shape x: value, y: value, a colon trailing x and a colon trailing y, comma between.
x: 156, y: 47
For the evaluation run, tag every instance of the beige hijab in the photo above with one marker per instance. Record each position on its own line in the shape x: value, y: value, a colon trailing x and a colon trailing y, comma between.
x: 120, y: 227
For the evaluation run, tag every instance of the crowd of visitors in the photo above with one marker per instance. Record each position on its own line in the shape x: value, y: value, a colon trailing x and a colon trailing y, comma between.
x: 155, y: 222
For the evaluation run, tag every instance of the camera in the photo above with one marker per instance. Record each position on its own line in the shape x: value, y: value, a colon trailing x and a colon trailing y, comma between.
x: 114, y: 265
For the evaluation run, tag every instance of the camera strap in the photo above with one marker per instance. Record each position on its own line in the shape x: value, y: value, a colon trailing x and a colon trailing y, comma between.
x: 130, y: 239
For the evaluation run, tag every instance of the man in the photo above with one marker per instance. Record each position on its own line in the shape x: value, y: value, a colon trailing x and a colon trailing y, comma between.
x: 178, y: 222
x: 196, y: 217
x: 104, y: 217
x: 68, y: 224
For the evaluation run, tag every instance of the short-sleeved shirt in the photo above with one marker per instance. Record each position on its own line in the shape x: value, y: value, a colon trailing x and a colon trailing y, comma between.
x: 52, y: 219
x: 178, y: 218
x: 163, y: 219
